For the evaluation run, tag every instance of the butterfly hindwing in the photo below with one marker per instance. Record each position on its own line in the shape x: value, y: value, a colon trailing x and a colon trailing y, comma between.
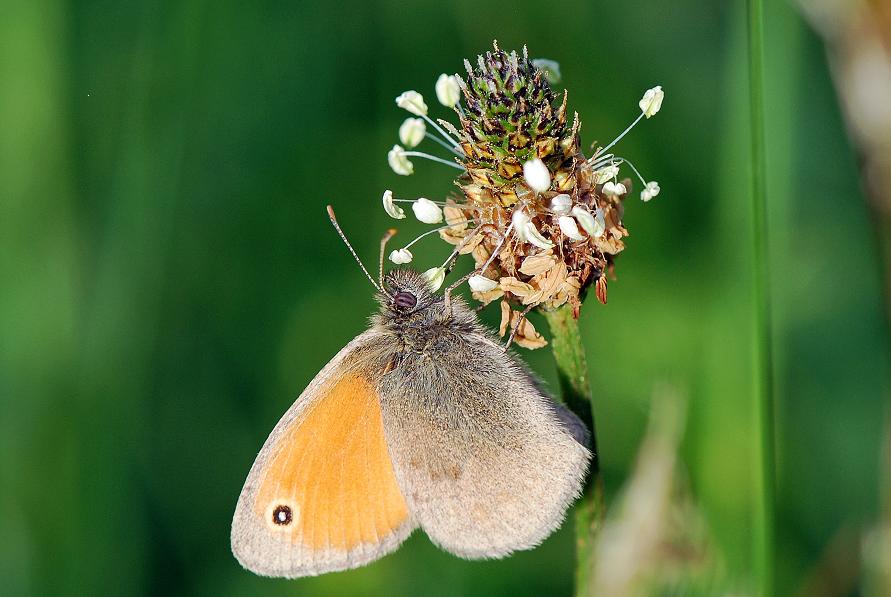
x: 488, y: 464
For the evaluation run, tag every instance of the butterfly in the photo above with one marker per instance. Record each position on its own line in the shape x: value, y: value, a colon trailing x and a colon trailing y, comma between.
x: 422, y: 421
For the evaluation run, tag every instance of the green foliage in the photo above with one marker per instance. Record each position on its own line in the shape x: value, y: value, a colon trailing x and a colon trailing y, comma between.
x: 169, y: 281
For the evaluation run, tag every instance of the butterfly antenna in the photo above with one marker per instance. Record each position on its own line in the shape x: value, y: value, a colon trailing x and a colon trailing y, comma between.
x: 380, y: 272
x: 350, y: 247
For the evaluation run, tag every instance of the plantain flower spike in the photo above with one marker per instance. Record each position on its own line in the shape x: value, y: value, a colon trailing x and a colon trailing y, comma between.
x: 542, y: 221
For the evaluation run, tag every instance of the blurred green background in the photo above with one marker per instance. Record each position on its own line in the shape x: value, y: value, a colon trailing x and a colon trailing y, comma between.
x: 169, y: 281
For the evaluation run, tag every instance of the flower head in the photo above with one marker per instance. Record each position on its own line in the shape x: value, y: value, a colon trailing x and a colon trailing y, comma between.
x: 542, y: 221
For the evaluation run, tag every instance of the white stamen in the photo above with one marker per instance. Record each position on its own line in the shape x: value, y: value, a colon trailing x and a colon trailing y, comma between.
x: 614, y: 188
x: 435, y: 276
x: 393, y: 210
x: 427, y: 211
x: 600, y: 159
x: 480, y: 283
x: 594, y: 225
x: 650, y: 191
x: 413, y: 102
x: 561, y: 204
x: 649, y: 105
x: 412, y: 132
x: 398, y: 161
x: 619, y: 138
x: 536, y: 238
x: 447, y: 91
x: 400, y: 256
x: 605, y: 174
x: 439, y: 203
x: 630, y: 165
x: 651, y: 102
x: 456, y: 148
x: 537, y: 175
x: 569, y: 227
x: 453, y: 148
x: 519, y: 220
x: 435, y: 230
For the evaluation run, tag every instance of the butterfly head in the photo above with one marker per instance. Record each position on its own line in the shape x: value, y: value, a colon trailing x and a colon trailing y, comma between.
x: 406, y: 292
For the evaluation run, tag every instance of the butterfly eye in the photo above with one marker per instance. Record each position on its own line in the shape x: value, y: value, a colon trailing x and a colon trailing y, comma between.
x: 405, y: 300
x: 282, y: 515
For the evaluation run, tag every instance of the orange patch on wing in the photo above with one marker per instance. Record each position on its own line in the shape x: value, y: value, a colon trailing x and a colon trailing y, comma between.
x: 333, y: 470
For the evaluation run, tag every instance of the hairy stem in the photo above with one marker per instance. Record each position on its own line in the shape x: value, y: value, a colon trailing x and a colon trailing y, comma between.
x: 572, y: 370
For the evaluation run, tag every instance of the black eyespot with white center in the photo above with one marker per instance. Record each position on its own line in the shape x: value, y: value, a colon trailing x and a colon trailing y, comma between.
x: 282, y: 515
x: 404, y: 301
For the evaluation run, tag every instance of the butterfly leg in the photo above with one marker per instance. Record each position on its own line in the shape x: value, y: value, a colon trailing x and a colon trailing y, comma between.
x: 516, y: 327
x: 450, y: 289
x: 450, y: 263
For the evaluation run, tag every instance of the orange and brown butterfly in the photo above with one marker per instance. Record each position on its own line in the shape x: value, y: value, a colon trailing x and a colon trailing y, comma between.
x: 423, y: 420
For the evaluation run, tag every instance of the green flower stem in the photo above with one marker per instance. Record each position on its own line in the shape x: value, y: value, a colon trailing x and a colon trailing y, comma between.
x: 575, y: 387
x: 764, y: 398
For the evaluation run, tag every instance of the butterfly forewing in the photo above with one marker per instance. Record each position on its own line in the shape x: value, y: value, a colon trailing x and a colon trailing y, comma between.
x: 322, y: 494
